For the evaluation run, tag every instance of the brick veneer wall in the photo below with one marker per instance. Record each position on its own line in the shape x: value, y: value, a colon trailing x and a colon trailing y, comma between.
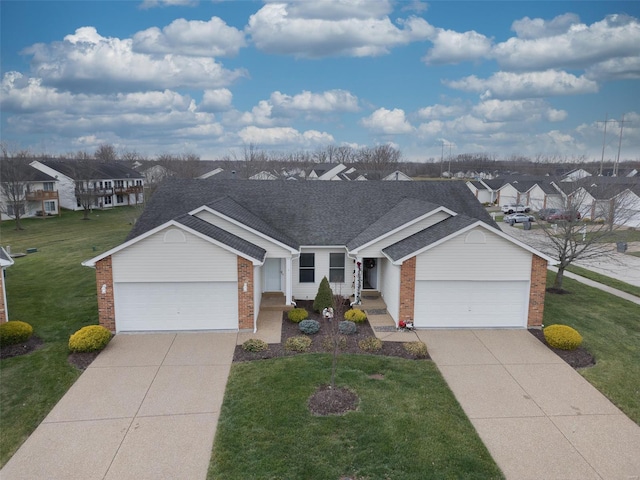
x: 407, y: 289
x: 106, y: 308
x: 3, y: 307
x: 245, y: 299
x: 537, y: 291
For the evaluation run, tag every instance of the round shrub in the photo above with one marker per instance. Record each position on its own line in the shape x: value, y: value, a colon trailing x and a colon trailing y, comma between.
x: 309, y: 326
x: 417, y: 349
x: 562, y: 336
x: 297, y: 344
x: 255, y: 345
x: 370, y: 344
x: 324, y: 297
x: 92, y: 338
x: 296, y: 315
x: 14, y: 332
x: 355, y: 315
x: 347, y: 328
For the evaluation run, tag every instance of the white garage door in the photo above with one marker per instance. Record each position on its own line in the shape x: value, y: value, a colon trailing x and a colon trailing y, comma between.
x: 471, y: 304
x: 176, y: 306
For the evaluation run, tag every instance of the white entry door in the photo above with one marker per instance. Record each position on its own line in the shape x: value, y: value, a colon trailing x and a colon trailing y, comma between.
x: 272, y: 275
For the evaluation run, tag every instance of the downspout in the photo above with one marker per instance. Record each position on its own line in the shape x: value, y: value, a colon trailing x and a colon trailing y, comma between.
x: 290, y: 276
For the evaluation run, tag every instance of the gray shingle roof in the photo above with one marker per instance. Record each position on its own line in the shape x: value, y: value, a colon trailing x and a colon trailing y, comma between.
x: 100, y: 170
x: 223, y: 236
x: 311, y: 213
x: 428, y: 236
x: 16, y: 170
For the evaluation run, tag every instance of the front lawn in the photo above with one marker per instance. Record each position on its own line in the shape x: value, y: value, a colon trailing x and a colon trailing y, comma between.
x: 605, y: 280
x: 611, y: 332
x: 408, y: 424
x: 57, y: 296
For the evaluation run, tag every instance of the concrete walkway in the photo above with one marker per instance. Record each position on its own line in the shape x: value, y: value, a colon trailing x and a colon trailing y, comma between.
x: 538, y: 417
x: 146, y: 408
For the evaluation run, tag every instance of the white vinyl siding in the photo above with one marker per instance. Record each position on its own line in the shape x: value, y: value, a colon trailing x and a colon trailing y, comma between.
x: 272, y: 249
x: 390, y: 287
x: 456, y: 259
x: 375, y: 248
x: 307, y: 291
x: 172, y: 255
x: 508, y: 194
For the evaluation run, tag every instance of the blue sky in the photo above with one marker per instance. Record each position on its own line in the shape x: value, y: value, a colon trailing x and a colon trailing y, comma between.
x: 212, y: 77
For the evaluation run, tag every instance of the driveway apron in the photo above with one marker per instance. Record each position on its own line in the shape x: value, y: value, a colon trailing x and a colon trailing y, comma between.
x: 146, y: 408
x: 539, y: 418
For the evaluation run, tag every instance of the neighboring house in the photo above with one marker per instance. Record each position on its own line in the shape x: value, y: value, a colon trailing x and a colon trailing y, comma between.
x: 326, y: 171
x: 265, y: 175
x: 5, y: 261
x: 112, y: 184
x: 544, y: 195
x: 482, y: 191
x: 203, y: 252
x: 397, y: 175
x: 38, y: 195
x: 575, y: 175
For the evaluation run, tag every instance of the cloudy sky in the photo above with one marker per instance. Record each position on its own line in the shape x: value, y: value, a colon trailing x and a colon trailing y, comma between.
x: 211, y: 77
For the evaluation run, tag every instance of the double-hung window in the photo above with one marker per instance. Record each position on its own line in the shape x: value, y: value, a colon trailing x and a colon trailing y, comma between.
x: 336, y: 267
x: 307, y: 267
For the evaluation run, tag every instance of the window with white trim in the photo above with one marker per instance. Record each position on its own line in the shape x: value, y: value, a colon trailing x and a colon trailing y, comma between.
x: 307, y: 267
x: 49, y: 206
x: 47, y: 186
x: 336, y: 267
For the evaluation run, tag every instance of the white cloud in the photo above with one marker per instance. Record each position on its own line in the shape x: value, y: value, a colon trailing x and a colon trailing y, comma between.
x: 216, y: 100
x: 88, y: 62
x: 529, y: 28
x: 439, y: 111
x: 339, y: 9
x: 455, y: 47
x: 283, y: 136
x: 579, y: 47
x: 525, y: 85
x: 388, y: 122
x: 146, y: 4
x: 300, y: 29
x: 308, y: 102
x: 213, y: 38
x: 517, y: 110
x: 615, y: 69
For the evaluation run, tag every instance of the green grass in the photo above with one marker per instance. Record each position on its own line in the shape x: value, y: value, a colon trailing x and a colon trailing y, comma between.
x: 635, y: 254
x: 408, y: 424
x: 611, y: 282
x: 56, y: 295
x: 611, y: 332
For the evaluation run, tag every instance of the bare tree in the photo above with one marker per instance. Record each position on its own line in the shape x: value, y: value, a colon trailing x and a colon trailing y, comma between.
x: 87, y: 190
x: 339, y: 308
x: 379, y: 161
x: 106, y: 153
x: 14, y: 186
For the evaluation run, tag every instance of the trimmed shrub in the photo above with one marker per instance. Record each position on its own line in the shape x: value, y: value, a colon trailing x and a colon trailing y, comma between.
x: 300, y: 343
x: 328, y: 345
x: 370, y: 344
x: 309, y: 326
x: 562, y: 336
x: 347, y: 328
x: 324, y: 297
x: 14, y: 332
x: 355, y: 315
x: 255, y: 345
x: 418, y: 349
x: 92, y: 338
x: 296, y: 315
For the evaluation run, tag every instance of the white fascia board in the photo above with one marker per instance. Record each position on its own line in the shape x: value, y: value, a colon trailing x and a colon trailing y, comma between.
x: 171, y: 223
x: 479, y: 223
x: 402, y: 227
x: 333, y: 172
x: 322, y: 247
x: 6, y: 263
x: 205, y: 208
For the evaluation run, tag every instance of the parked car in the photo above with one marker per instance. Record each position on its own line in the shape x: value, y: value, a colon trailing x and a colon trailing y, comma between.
x: 544, y: 213
x: 518, y: 218
x: 515, y: 208
x: 564, y: 215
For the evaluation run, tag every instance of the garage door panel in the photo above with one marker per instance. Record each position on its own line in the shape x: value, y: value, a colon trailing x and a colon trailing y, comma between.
x: 450, y: 304
x: 159, y: 306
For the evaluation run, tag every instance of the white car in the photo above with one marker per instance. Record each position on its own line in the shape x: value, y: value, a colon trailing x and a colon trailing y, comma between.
x: 518, y: 218
x: 515, y: 208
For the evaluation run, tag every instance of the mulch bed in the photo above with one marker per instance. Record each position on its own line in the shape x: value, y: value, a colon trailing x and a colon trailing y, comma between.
x: 290, y: 329
x: 333, y: 401
x: 81, y: 360
x: 578, y: 358
x: 34, y: 343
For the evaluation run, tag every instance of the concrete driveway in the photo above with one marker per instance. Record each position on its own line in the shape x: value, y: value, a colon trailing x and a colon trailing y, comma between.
x: 146, y: 408
x: 538, y: 417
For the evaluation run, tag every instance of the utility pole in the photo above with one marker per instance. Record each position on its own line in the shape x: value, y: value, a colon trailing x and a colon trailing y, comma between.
x: 617, y: 164
x: 604, y: 139
x: 442, y: 157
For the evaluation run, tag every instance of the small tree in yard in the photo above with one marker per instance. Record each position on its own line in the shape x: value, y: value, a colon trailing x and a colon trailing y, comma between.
x: 324, y: 297
x: 13, y: 187
x: 338, y: 305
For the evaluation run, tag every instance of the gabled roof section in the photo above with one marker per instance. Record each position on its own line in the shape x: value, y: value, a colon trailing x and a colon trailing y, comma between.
x: 5, y: 258
x: 230, y: 208
x: 405, y: 212
x: 222, y: 236
x: 99, y: 170
x: 443, y: 231
x: 20, y: 171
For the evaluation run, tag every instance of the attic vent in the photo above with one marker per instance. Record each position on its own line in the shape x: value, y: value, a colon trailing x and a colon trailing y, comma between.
x: 475, y: 236
x: 174, y: 236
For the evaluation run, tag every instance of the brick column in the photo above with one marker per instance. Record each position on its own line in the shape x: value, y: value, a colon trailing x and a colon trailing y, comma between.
x: 537, y: 291
x: 407, y: 289
x: 104, y: 285
x: 3, y: 307
x: 245, y: 298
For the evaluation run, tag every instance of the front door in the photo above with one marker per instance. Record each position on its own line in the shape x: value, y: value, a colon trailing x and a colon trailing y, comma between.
x: 272, y: 275
x: 370, y: 274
